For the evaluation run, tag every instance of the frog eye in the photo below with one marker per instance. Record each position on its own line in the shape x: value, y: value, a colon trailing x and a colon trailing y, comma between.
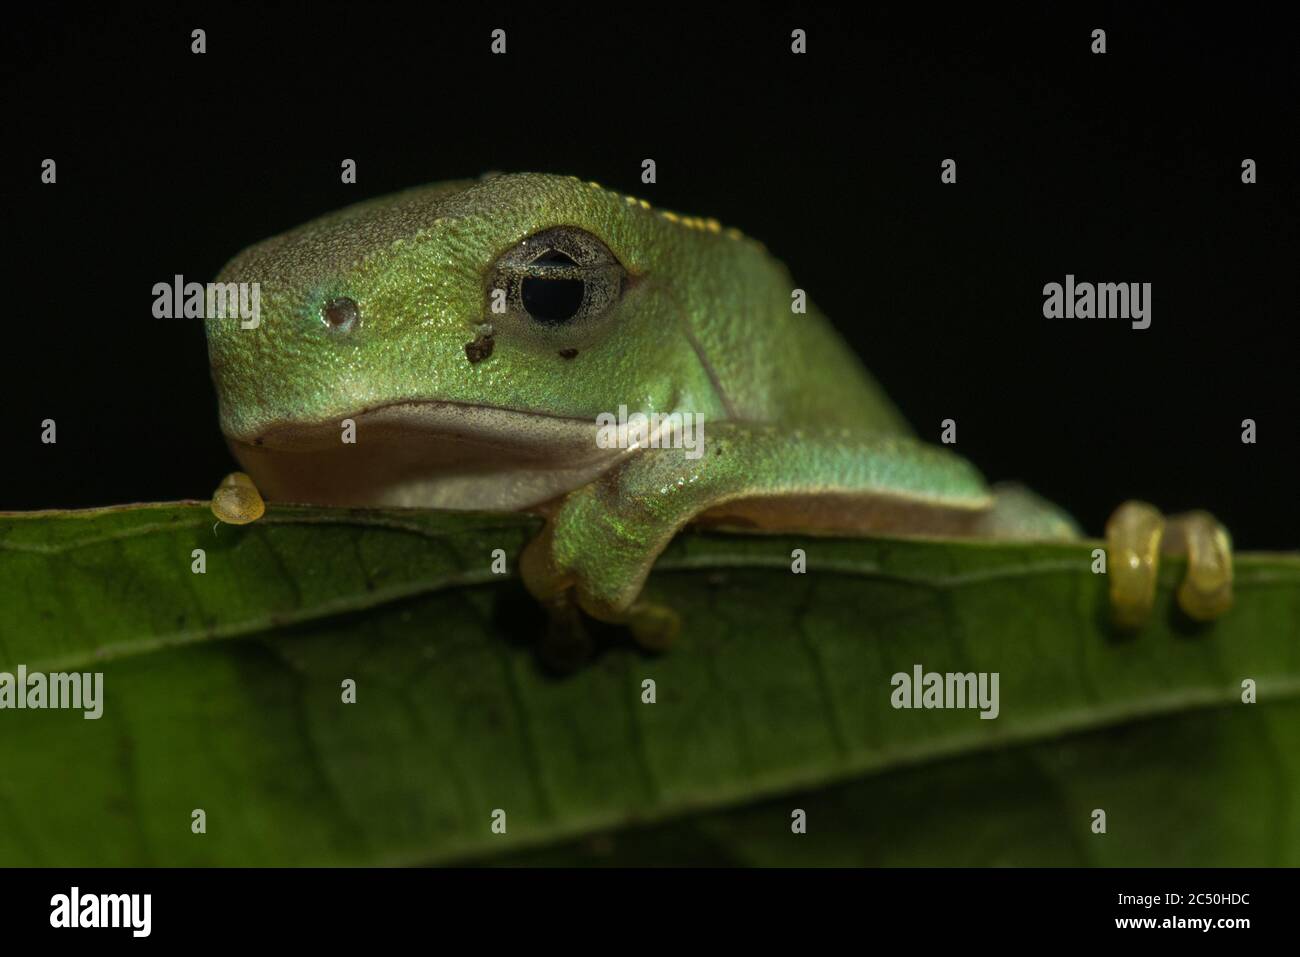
x: 341, y: 314
x: 559, y: 278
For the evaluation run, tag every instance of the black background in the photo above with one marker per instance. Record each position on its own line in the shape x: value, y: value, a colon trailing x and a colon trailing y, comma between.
x: 1123, y: 167
x: 757, y: 910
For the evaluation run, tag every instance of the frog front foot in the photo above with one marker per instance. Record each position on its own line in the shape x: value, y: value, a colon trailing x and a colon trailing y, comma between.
x: 583, y: 560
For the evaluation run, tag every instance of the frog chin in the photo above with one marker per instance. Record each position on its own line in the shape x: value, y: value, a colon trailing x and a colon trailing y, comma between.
x: 426, y: 455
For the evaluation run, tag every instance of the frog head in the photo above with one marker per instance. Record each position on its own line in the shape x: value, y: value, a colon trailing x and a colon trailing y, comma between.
x: 452, y: 345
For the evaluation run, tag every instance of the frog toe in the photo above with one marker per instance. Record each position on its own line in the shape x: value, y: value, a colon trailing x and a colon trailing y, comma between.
x: 1206, y: 590
x: 237, y: 500
x: 654, y: 627
x: 1133, y: 536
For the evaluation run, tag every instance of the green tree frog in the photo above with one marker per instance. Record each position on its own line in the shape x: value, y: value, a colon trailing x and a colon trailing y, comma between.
x: 456, y: 346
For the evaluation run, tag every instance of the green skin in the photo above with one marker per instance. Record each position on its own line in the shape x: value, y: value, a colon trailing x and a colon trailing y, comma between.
x: 798, y: 436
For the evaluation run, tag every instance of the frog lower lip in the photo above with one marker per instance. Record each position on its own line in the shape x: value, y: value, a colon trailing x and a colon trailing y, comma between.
x: 427, y: 454
x: 529, y: 434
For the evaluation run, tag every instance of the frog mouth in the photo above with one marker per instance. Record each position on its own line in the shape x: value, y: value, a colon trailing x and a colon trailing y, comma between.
x: 426, y: 454
x: 508, y: 431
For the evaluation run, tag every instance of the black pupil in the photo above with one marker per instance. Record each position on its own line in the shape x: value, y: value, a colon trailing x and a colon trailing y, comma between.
x: 552, y: 301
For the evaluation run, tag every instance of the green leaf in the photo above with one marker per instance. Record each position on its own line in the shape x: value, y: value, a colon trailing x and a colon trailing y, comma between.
x: 223, y: 691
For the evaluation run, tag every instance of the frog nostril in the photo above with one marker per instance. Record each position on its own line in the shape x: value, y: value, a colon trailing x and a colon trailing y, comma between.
x: 340, y: 314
